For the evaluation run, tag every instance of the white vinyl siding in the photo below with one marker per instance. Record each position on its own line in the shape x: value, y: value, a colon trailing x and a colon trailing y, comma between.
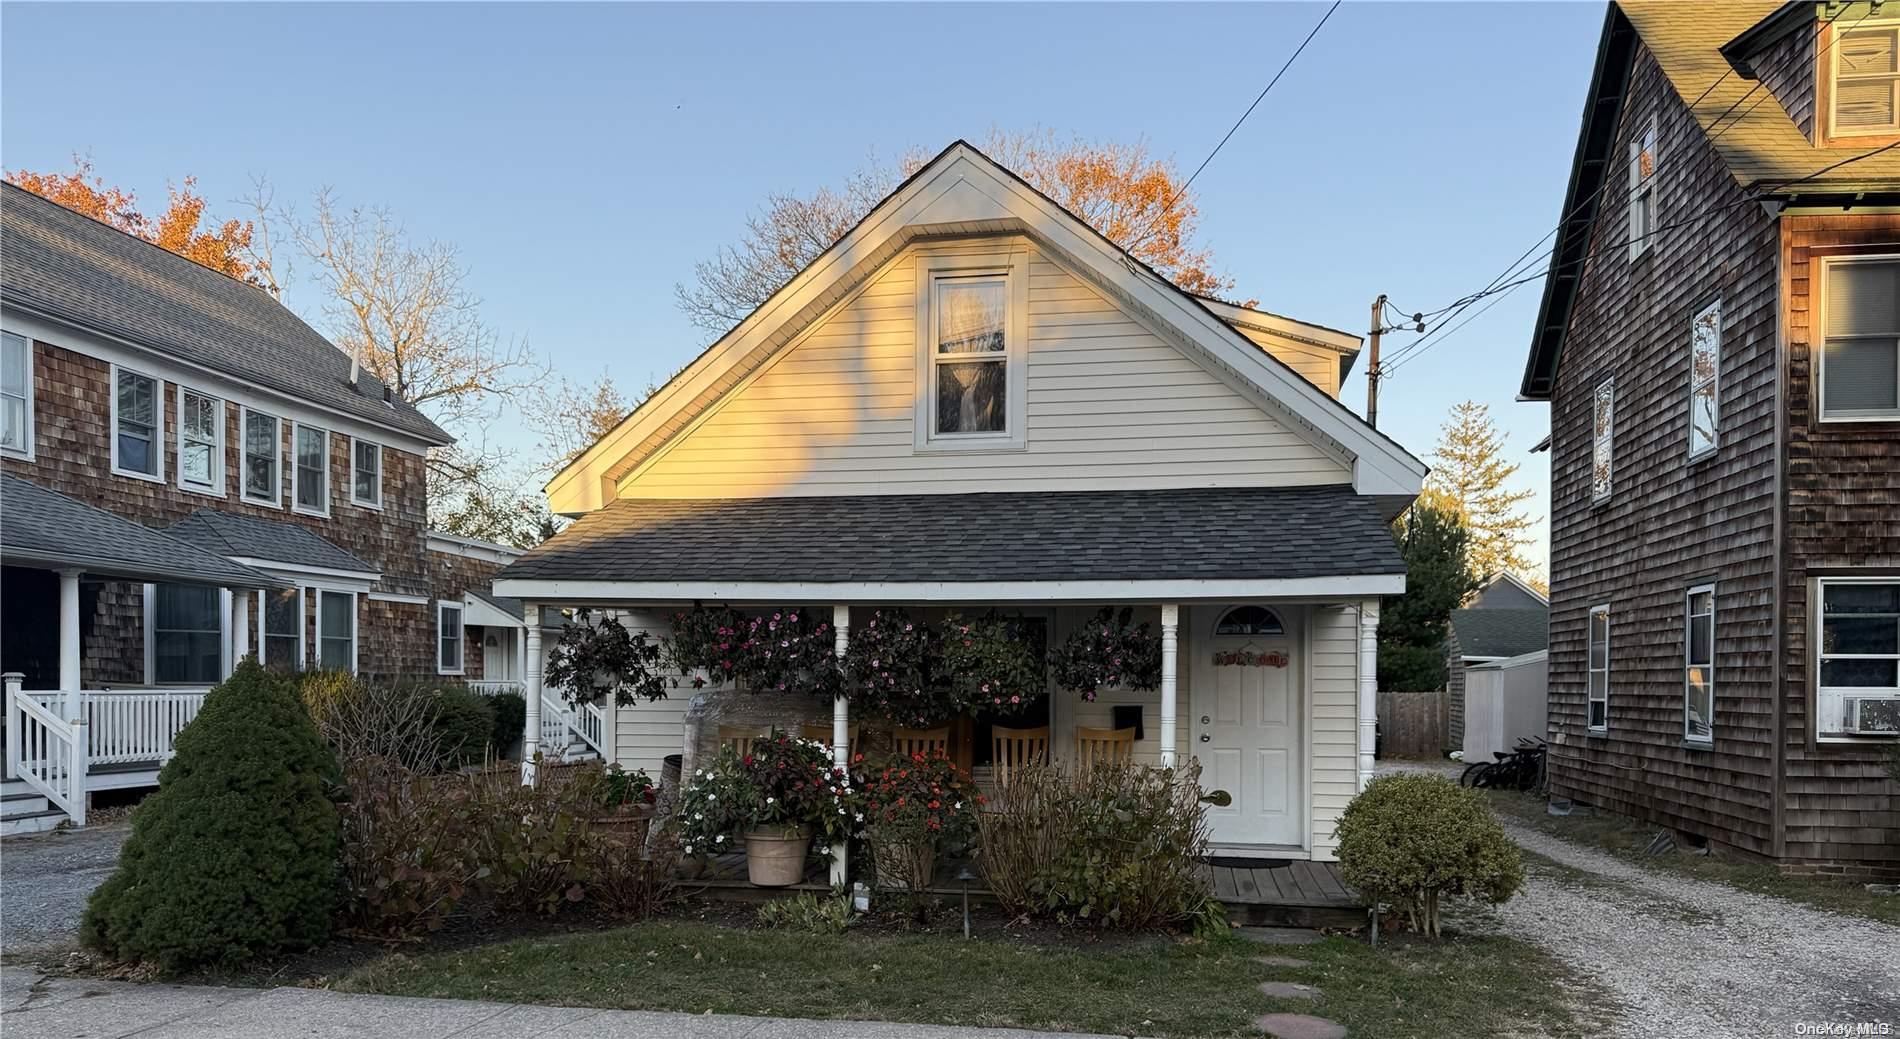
x: 1860, y: 350
x: 1318, y: 364
x: 1109, y: 405
x: 309, y: 470
x: 643, y: 734
x: 1865, y: 92
x: 1705, y: 377
x: 200, y: 442
x: 138, y: 425
x: 1698, y: 665
x: 1333, y: 758
x: 16, y: 396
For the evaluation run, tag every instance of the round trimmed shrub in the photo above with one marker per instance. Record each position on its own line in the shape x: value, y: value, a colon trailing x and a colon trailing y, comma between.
x: 511, y: 720
x: 1410, y: 838
x: 463, y: 722
x: 235, y: 857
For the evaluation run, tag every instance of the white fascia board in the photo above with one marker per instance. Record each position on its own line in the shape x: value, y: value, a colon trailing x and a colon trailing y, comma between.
x: 964, y: 187
x: 411, y: 600
x: 1281, y: 325
x: 473, y: 548
x: 230, y: 388
x: 1309, y: 589
x: 313, y: 576
x: 478, y: 612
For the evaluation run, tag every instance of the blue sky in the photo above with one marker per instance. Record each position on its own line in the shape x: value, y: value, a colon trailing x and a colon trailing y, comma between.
x: 582, y: 157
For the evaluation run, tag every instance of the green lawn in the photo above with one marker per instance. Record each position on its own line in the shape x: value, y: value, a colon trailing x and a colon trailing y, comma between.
x: 1626, y: 838
x: 1164, y: 987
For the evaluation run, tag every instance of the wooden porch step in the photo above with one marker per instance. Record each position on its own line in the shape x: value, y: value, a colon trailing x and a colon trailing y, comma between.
x: 31, y: 822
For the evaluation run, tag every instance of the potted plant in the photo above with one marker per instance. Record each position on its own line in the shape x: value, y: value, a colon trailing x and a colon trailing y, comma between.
x: 774, y: 801
x: 1108, y: 652
x: 623, y: 801
x: 910, y: 809
x: 988, y: 666
x: 594, y: 658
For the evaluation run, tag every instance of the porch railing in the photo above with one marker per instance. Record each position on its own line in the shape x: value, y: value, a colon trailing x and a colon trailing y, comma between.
x: 495, y: 688
x: 562, y: 722
x: 129, y: 726
x: 47, y: 751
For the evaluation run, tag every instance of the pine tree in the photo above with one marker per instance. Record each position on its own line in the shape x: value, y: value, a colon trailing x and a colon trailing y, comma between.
x: 1469, y: 471
x: 1437, y: 578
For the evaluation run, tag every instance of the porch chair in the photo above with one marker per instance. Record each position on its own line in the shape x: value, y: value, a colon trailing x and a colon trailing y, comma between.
x: 1013, y: 748
x: 822, y: 733
x: 739, y: 737
x: 1103, y: 746
x: 905, y: 742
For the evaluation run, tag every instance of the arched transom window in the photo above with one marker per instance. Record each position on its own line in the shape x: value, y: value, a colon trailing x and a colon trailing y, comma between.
x: 1249, y: 620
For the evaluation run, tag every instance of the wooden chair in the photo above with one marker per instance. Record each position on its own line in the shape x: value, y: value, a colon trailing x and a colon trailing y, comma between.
x: 822, y: 733
x: 739, y: 737
x: 905, y: 742
x: 1014, y: 748
x: 1102, y: 746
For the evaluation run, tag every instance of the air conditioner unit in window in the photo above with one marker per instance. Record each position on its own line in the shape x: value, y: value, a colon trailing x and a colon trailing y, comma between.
x: 1873, y: 715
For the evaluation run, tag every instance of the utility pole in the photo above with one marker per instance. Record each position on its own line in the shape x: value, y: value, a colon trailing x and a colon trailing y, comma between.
x: 1372, y: 366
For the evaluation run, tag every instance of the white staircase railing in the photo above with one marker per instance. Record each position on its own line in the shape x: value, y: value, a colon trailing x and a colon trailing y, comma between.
x: 132, y: 725
x: 46, y: 751
x: 495, y: 688
x: 561, y: 723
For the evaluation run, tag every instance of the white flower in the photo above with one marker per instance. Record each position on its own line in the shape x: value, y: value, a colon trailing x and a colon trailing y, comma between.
x: 699, y: 772
x: 689, y: 849
x: 771, y: 800
x: 721, y: 839
x: 840, y: 811
x: 958, y: 806
x: 697, y: 816
x: 712, y: 797
x: 860, y: 817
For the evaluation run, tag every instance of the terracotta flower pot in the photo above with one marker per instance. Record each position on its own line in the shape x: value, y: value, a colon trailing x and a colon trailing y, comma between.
x: 904, y: 864
x: 629, y: 825
x: 775, y: 855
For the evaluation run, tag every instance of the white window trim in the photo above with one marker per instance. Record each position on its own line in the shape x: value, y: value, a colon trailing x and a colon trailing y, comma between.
x: 25, y: 451
x: 296, y: 476
x: 276, y: 500
x: 1639, y: 186
x: 218, y: 460
x: 1606, y: 438
x: 1013, y: 268
x: 321, y: 594
x: 1818, y: 347
x: 1834, y: 85
x: 1589, y: 695
x: 461, y: 653
x: 1817, y: 610
x: 158, y: 430
x: 377, y: 504
x: 1714, y: 381
x: 149, y: 617
x: 1688, y: 639
x: 303, y: 627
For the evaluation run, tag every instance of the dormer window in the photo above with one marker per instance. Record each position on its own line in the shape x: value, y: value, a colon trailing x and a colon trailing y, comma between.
x: 1643, y: 189
x: 1866, y: 81
x: 973, y: 318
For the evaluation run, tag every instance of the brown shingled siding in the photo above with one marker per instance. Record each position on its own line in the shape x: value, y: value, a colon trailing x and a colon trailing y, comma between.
x: 1670, y: 522
x: 1787, y: 70
x: 1843, y: 502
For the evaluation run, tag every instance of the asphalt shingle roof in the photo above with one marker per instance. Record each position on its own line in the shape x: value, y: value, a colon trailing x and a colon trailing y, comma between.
x: 79, y: 270
x: 44, y: 528
x: 1509, y: 632
x: 1760, y: 142
x: 250, y: 537
x: 512, y: 607
x: 1206, y: 533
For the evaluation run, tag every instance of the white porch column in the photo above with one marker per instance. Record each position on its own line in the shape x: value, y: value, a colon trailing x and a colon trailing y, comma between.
x: 1368, y: 686
x: 240, y: 625
x: 227, y: 641
x: 840, y: 730
x: 531, y: 691
x: 69, y: 630
x: 1170, y: 653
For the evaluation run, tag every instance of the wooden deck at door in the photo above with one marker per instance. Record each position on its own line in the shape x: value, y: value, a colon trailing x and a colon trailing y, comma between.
x: 1295, y: 892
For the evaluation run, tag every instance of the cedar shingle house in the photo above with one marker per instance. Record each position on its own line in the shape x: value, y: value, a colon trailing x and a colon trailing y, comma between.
x: 1720, y: 346
x: 192, y: 473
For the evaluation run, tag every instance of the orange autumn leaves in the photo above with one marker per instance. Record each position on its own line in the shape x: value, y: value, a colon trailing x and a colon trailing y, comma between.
x: 225, y: 248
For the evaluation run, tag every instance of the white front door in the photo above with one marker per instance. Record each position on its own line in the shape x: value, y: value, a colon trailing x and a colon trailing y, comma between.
x: 1247, y: 736
x: 498, y: 655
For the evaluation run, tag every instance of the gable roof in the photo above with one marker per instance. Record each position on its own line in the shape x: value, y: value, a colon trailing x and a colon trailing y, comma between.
x: 961, y: 192
x: 1507, y: 578
x: 991, y: 538
x: 44, y: 528
x: 1501, y: 633
x: 270, y: 541
x: 1764, y: 150
x: 74, y: 269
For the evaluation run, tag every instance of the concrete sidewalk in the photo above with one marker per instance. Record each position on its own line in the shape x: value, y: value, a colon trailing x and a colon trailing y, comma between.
x: 33, y: 1006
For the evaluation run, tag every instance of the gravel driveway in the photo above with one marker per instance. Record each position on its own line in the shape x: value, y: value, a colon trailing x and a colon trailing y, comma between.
x: 45, y: 879
x: 1692, y: 958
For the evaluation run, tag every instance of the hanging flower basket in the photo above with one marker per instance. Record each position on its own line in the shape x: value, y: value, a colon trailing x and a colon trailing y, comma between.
x: 779, y: 650
x: 988, y: 666
x: 888, y: 670
x: 600, y: 657
x: 1108, y: 652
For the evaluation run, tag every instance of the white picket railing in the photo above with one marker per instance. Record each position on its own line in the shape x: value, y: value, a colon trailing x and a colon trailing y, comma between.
x: 561, y: 722
x: 47, y: 751
x: 593, y: 726
x: 486, y: 688
x: 133, y: 725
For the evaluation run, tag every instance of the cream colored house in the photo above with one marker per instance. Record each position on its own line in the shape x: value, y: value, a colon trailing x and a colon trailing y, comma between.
x: 974, y: 400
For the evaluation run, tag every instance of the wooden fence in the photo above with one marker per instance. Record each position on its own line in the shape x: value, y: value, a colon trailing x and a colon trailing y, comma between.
x: 1414, y: 725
